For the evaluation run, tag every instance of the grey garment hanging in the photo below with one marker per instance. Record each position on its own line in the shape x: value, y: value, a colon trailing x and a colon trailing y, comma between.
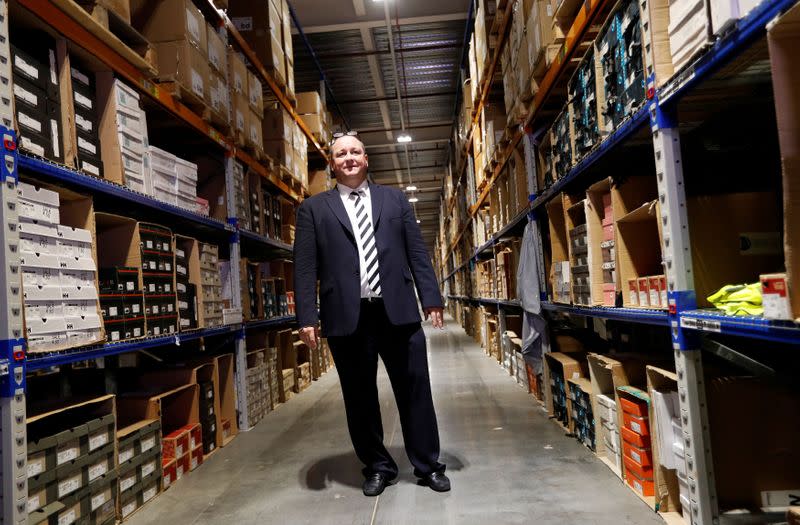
x: 534, y: 327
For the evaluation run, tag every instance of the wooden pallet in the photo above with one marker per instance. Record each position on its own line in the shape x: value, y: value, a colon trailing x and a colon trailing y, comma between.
x: 287, y: 177
x: 114, y: 17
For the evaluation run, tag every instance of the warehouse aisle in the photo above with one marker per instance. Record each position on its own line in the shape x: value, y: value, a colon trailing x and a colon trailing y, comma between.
x: 507, y: 462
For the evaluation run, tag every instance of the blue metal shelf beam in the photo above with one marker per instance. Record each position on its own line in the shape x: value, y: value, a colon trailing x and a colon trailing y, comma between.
x: 709, y: 321
x: 66, y: 357
x: 94, y: 184
x: 631, y: 315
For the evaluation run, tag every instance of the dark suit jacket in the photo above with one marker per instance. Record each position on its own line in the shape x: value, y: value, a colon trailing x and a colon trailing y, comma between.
x: 325, y: 249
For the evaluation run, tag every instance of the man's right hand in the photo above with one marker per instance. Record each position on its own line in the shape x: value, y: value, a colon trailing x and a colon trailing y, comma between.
x: 310, y: 336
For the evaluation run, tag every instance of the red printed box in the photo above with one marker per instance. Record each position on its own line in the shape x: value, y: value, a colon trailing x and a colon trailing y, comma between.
x: 633, y: 292
x: 196, y: 457
x: 644, y: 292
x: 175, y: 444
x: 609, y: 294
x: 663, y: 289
x: 169, y: 472
x: 183, y: 465
x: 608, y: 232
x: 655, y: 292
x: 195, y: 432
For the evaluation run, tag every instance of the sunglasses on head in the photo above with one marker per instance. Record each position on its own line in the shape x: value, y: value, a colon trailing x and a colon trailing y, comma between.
x: 340, y: 134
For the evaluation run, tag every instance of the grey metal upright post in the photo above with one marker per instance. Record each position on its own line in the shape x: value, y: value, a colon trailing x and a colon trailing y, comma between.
x: 13, y: 446
x: 680, y: 281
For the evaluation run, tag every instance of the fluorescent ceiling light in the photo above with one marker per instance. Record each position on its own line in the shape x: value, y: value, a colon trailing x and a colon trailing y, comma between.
x: 404, y: 138
x: 413, y: 199
x: 418, y: 221
x: 411, y: 188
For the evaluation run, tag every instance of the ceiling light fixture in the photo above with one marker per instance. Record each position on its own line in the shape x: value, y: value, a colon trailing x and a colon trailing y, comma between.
x: 405, y: 138
x: 411, y: 188
x: 413, y: 199
x: 418, y: 221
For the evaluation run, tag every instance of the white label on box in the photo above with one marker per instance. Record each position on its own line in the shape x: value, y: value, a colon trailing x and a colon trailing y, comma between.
x: 148, y: 494
x: 664, y: 298
x: 98, y: 440
x: 90, y: 168
x: 193, y: 443
x: 29, y: 122
x: 198, y: 85
x: 194, y: 463
x: 179, y: 471
x: 642, y: 298
x: 148, y: 443
x: 157, y: 330
x: 67, y: 454
x: 151, y: 287
x: 126, y: 455
x: 98, y: 470
x: 179, y: 450
x: 239, y: 120
x: 634, y: 297
x: 26, y: 95
x: 83, y: 101
x: 68, y: 518
x: 127, y: 483
x: 127, y: 509
x: 98, y: 501
x: 780, y: 500
x: 153, y: 265
x: 35, y: 468
x: 87, y: 146
x: 115, y: 335
x: 129, y: 286
x: 148, y: 469
x: 113, y: 311
x: 149, y: 244
x: 654, y: 298
x: 636, y: 427
x: 37, y: 149
x: 69, y: 485
x: 33, y: 503
x: 192, y: 25
x: 30, y: 70
x: 137, y: 332
x: 636, y: 457
x: 135, y: 308
x: 638, y: 486
x: 155, y: 309
x: 244, y: 23
x: 84, y: 124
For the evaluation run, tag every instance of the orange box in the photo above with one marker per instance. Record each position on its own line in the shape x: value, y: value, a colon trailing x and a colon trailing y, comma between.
x: 642, y: 486
x: 638, y: 470
x: 196, y: 457
x: 169, y: 472
x: 175, y: 444
x: 633, y: 291
x: 195, y: 432
x: 655, y: 292
x: 640, y: 425
x: 644, y: 292
x: 635, y: 407
x: 642, y: 456
x: 629, y: 436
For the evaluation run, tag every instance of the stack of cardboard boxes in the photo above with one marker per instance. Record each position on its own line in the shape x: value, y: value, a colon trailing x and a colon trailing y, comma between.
x: 186, y: 290
x: 208, y: 416
x: 636, y: 452
x: 254, y: 138
x: 36, y: 97
x: 87, y: 123
x: 607, y: 413
x: 121, y: 303
x: 258, y: 387
x: 139, y: 463
x: 239, y: 96
x: 314, y: 114
x: 71, y: 464
x: 172, y: 179
x: 211, y: 286
x: 58, y: 275
x: 158, y: 277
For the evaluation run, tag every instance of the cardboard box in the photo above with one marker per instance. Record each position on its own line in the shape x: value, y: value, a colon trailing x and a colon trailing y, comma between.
x: 255, y: 93
x: 254, y: 137
x: 260, y: 24
x: 187, y: 65
x: 170, y: 20
x: 783, y: 40
x: 309, y: 102
x: 775, y: 296
x: 237, y: 74
x: 217, y: 51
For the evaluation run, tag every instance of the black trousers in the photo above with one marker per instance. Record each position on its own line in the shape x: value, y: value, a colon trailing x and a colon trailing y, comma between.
x: 404, y: 355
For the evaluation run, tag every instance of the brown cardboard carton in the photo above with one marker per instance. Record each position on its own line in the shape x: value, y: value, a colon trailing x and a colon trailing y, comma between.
x: 170, y: 20
x: 260, y: 24
x: 183, y: 63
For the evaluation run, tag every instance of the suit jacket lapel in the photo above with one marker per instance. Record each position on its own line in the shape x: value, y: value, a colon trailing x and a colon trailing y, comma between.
x: 334, y: 201
x: 376, y: 195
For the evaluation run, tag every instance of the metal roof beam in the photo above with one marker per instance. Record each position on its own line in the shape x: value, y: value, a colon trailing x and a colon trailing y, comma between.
x: 407, y: 49
x: 404, y: 97
x: 370, y: 24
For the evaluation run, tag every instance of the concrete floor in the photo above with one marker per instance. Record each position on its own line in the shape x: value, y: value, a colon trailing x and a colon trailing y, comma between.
x: 508, y: 463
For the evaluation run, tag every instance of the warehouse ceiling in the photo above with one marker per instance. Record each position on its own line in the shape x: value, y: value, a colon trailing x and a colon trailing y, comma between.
x: 351, y: 44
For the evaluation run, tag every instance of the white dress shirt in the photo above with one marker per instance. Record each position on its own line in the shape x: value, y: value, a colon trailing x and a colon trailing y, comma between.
x: 349, y: 202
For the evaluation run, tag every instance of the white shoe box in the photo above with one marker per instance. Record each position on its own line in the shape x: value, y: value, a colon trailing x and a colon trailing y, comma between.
x: 74, y: 242
x: 163, y: 160
x: 131, y: 120
x: 38, y: 238
x: 82, y: 329
x: 45, y: 309
x: 79, y: 293
x: 39, y: 269
x: 78, y: 308
x: 688, y: 29
x: 77, y: 271
x: 132, y: 141
x: 125, y: 95
x: 38, y: 204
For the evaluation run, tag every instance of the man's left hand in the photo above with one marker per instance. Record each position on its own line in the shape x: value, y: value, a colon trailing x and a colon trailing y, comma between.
x: 437, y: 318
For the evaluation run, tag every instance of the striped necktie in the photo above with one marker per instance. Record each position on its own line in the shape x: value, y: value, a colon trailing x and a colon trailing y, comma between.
x: 366, y: 238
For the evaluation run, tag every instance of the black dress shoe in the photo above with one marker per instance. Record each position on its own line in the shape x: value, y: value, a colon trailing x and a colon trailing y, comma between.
x: 437, y: 481
x: 374, y: 484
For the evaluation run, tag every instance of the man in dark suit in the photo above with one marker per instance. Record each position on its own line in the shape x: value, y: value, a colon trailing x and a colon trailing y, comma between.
x: 363, y: 244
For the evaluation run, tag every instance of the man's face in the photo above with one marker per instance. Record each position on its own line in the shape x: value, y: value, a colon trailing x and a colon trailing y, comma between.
x: 349, y: 161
